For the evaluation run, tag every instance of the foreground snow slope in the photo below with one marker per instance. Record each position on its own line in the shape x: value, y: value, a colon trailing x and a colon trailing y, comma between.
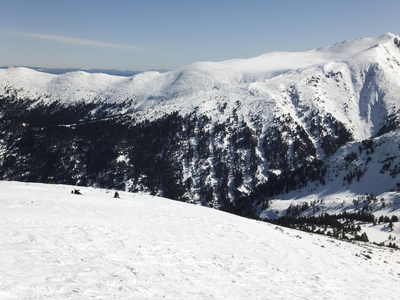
x: 57, y: 245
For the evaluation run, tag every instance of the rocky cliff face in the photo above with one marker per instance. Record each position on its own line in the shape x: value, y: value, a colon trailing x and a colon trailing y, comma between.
x: 229, y: 135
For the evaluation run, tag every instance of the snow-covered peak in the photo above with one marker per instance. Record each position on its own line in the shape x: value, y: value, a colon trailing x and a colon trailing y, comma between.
x: 275, y: 63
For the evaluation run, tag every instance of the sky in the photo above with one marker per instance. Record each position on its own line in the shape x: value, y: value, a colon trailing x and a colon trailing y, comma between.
x: 167, y: 34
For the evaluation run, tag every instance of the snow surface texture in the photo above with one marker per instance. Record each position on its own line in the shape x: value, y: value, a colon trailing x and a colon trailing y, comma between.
x: 58, y: 245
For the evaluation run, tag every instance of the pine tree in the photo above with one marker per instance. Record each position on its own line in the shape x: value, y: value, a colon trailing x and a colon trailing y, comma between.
x: 364, y: 237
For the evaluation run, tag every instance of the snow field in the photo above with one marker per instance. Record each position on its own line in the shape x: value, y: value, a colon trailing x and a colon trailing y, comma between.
x: 57, y: 245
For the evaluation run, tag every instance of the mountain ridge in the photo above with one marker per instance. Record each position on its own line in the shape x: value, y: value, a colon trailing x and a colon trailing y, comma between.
x: 265, y: 64
x: 59, y: 71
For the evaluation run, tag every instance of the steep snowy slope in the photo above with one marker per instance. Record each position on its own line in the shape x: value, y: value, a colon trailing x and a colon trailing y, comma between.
x: 57, y: 245
x: 370, y: 167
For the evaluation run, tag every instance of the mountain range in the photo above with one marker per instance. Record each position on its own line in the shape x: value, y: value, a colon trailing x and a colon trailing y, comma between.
x: 248, y: 136
x: 59, y: 71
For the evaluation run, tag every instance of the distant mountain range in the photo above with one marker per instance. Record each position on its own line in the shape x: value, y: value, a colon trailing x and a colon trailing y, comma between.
x: 239, y: 135
x: 59, y: 71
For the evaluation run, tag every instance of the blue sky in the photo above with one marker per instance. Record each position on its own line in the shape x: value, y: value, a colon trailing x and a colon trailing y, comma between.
x: 167, y: 34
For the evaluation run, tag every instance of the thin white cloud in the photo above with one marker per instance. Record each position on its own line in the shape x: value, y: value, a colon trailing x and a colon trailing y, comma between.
x: 71, y: 40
